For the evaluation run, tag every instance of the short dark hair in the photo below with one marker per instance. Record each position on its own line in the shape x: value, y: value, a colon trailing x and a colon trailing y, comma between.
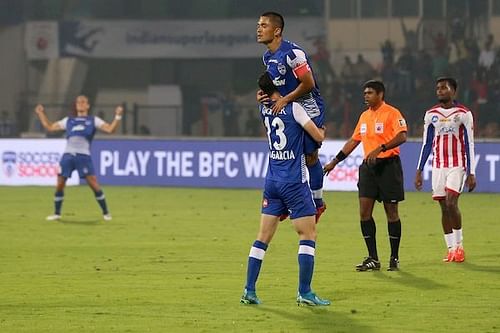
x: 276, y: 18
x: 376, y: 85
x: 451, y: 81
x: 266, y: 84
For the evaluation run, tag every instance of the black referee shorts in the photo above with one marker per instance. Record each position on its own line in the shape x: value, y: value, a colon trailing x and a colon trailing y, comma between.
x: 382, y: 181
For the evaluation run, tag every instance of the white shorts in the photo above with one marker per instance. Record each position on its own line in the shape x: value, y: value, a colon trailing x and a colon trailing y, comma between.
x: 447, y: 180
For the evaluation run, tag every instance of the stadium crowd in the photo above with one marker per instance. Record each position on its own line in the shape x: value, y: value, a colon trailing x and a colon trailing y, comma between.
x: 410, y: 80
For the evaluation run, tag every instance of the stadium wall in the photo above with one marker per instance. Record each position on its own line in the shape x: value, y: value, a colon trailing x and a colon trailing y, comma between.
x: 205, y: 163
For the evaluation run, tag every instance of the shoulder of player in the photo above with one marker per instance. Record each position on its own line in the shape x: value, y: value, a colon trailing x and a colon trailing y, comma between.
x: 461, y: 108
x: 433, y: 108
x: 290, y: 48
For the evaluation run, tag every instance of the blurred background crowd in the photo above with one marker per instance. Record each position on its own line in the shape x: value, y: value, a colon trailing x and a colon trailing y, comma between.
x: 406, y: 43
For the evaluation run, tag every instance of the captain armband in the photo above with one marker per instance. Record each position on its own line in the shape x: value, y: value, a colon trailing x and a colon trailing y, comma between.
x: 341, y: 156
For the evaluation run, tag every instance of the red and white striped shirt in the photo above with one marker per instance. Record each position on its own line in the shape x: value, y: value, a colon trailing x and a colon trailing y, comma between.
x: 449, y: 134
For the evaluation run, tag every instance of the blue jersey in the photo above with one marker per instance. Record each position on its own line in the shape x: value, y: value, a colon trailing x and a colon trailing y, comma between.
x: 285, y: 66
x: 80, y: 132
x: 285, y: 135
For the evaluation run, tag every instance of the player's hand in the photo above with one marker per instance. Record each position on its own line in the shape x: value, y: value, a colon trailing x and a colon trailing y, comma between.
x: 329, y: 167
x: 119, y: 110
x: 262, y: 97
x: 39, y: 109
x: 470, y: 182
x: 418, y: 180
x: 371, y: 158
x: 279, y: 104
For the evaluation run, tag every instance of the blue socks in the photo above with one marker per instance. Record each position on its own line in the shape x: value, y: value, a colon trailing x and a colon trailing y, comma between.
x: 316, y: 182
x: 255, y: 258
x: 101, y: 200
x: 306, y: 253
x: 58, y: 201
x: 307, y: 249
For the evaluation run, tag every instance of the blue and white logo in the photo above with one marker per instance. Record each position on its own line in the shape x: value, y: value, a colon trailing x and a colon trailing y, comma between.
x: 434, y: 119
x: 281, y: 69
x: 9, y: 163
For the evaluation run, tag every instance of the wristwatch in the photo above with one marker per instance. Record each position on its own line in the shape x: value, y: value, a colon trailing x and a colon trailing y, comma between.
x: 383, y: 147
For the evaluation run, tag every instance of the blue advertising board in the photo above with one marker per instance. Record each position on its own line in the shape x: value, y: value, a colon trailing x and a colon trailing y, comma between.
x: 243, y: 164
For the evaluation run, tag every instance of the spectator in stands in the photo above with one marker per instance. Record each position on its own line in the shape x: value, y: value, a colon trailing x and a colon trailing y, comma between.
x: 411, y: 36
x: 406, y: 67
x: 321, y: 59
x: 6, y: 125
x: 363, y: 70
x: 488, y: 54
x: 440, y: 43
x: 253, y: 125
x: 387, y: 49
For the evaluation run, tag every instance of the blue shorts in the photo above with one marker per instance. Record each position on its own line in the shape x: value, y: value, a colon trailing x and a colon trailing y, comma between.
x: 310, y: 145
x: 288, y: 198
x: 80, y: 162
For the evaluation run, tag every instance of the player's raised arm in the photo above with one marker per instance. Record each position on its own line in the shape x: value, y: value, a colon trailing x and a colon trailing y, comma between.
x: 51, y: 127
x: 300, y: 115
x: 111, y: 128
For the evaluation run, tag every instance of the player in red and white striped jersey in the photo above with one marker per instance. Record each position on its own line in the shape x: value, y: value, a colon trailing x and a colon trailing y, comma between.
x: 449, y: 135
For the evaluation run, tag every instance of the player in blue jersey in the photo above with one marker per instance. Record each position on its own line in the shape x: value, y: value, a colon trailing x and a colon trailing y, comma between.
x: 286, y: 191
x: 291, y: 73
x: 80, y: 130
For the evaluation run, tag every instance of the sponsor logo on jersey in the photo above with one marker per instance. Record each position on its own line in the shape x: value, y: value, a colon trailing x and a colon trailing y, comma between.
x: 78, y: 128
x: 277, y: 82
x: 446, y: 130
x: 363, y: 128
x: 379, y: 128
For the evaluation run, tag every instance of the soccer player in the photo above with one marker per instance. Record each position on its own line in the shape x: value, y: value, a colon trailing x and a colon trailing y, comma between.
x: 448, y: 133
x: 381, y: 129
x: 291, y: 73
x: 286, y: 191
x: 80, y: 130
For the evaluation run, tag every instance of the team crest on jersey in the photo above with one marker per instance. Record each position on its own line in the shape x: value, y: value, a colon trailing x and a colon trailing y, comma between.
x: 265, y: 203
x: 87, y: 122
x: 379, y: 127
x: 434, y: 119
x: 281, y: 69
x: 456, y: 119
x: 362, y: 128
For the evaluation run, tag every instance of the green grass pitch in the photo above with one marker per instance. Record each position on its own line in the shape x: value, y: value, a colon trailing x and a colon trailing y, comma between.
x: 174, y: 260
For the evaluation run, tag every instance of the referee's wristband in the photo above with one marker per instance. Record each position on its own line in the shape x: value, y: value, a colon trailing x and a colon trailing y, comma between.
x: 118, y: 117
x: 341, y: 156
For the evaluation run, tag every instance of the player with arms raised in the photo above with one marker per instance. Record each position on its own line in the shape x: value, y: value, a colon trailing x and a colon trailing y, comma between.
x: 286, y: 191
x: 80, y: 130
x: 290, y: 70
x: 448, y: 134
